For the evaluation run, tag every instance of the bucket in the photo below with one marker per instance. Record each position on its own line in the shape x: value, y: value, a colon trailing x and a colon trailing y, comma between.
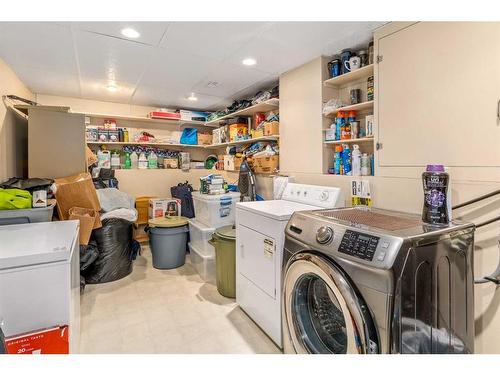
x: 224, y: 241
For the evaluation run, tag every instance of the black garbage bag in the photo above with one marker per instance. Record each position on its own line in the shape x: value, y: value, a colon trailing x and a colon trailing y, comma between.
x: 88, y: 254
x: 115, y: 246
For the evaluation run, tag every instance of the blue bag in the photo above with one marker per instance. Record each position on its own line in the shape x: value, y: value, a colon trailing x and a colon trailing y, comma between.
x: 189, y: 136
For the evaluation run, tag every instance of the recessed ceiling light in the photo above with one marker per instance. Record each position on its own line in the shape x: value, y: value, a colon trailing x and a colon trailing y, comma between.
x: 192, y: 97
x: 249, y: 61
x: 112, y: 87
x: 130, y: 33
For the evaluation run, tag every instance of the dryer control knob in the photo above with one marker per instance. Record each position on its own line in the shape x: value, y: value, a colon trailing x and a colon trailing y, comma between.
x: 324, y: 235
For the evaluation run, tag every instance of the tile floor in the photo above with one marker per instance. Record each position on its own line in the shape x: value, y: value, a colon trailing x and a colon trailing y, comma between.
x: 165, y: 311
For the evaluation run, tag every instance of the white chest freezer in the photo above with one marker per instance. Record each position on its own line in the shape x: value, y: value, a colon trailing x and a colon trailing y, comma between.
x: 40, y: 278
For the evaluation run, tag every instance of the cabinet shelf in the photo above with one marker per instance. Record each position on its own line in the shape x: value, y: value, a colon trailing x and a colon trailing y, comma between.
x: 350, y: 77
x: 356, y: 140
x: 265, y: 106
x: 354, y: 107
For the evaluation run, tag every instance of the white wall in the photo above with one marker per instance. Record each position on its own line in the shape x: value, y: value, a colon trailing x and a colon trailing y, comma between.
x: 13, y: 130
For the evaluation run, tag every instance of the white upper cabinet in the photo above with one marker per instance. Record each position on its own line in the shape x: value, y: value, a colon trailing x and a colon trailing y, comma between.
x: 438, y: 92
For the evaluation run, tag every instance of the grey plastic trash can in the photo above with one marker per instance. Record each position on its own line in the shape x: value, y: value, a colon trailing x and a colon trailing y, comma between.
x: 168, y: 241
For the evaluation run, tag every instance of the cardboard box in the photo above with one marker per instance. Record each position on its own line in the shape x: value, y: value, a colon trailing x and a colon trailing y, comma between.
x: 238, y: 132
x: 171, y: 163
x: 232, y: 162
x: 272, y: 128
x: 53, y: 340
x: 266, y: 164
x: 161, y: 207
x: 257, y: 133
x: 164, y: 115
x: 204, y: 138
x: 77, y: 191
x: 87, y: 218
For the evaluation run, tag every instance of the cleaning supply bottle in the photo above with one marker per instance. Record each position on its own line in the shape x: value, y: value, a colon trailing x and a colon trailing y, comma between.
x: 346, y: 159
x: 436, y: 195
x: 115, y: 160
x: 128, y: 162
x: 134, y: 160
x: 339, y: 122
x: 337, y: 159
x: 103, y: 159
x: 125, y: 135
x: 152, y: 160
x: 143, y: 161
x: 365, y: 165
x: 351, y: 116
x: 356, y: 161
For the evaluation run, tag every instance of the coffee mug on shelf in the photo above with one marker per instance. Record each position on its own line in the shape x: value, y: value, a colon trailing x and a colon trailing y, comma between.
x: 354, y: 63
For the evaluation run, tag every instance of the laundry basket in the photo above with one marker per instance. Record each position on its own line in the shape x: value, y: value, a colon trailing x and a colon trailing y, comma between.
x: 224, y: 241
x: 168, y: 241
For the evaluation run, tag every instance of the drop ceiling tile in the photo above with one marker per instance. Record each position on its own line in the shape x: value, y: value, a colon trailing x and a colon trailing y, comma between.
x: 177, y: 70
x: 106, y: 58
x: 96, y: 89
x: 41, y: 45
x: 211, y: 39
x: 151, y: 33
x: 43, y: 81
x: 162, y: 97
x: 230, y: 79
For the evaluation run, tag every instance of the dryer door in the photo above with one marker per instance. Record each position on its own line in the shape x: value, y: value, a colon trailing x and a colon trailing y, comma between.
x: 323, y: 312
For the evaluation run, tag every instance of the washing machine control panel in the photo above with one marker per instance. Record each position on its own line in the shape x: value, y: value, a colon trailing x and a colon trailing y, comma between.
x: 359, y: 245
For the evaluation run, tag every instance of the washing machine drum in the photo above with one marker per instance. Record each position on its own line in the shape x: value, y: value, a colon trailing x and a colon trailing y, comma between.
x: 323, y: 311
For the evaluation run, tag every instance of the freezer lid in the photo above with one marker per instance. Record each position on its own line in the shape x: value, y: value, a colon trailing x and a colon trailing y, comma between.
x: 30, y: 244
x: 275, y: 209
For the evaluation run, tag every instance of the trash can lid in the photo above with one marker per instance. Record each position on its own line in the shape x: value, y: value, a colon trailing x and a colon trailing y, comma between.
x: 168, y: 222
x: 228, y: 232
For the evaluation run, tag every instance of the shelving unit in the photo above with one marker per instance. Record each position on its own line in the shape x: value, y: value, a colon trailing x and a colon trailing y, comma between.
x: 356, y: 140
x: 346, y: 78
x: 353, y: 107
x: 268, y: 105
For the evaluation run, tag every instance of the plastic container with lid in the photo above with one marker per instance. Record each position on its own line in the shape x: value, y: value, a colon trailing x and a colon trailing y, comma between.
x: 224, y: 241
x: 437, y: 208
x: 199, y: 235
x: 215, y: 211
x: 26, y: 216
x: 168, y: 241
x: 204, y: 264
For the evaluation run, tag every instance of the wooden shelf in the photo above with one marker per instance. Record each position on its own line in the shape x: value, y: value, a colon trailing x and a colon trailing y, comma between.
x: 354, y: 107
x: 266, y: 106
x: 146, y: 144
x: 149, y: 120
x: 356, y: 140
x: 246, y: 141
x: 350, y: 77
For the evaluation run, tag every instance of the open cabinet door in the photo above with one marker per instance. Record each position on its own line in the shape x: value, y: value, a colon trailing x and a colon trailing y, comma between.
x: 438, y: 95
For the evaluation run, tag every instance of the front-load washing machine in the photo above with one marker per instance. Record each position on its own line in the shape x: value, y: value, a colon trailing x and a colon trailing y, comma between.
x: 260, y: 234
x: 361, y: 280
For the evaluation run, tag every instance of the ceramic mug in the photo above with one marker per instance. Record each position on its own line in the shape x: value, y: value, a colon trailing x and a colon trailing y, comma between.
x: 354, y: 63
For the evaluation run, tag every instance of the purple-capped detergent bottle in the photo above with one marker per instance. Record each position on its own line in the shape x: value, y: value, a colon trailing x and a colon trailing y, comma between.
x: 436, y: 208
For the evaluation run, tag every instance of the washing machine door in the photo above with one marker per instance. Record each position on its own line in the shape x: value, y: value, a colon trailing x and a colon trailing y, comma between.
x: 323, y: 311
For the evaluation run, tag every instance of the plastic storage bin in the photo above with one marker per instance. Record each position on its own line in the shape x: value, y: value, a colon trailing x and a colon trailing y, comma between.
x: 199, y: 235
x: 203, y: 263
x: 31, y: 215
x: 215, y: 211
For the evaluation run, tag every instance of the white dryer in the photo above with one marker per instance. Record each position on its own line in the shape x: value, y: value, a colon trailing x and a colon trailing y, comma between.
x: 260, y: 236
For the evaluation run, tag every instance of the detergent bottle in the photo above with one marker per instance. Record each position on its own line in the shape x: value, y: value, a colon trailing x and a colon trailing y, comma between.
x: 346, y: 159
x: 356, y: 161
